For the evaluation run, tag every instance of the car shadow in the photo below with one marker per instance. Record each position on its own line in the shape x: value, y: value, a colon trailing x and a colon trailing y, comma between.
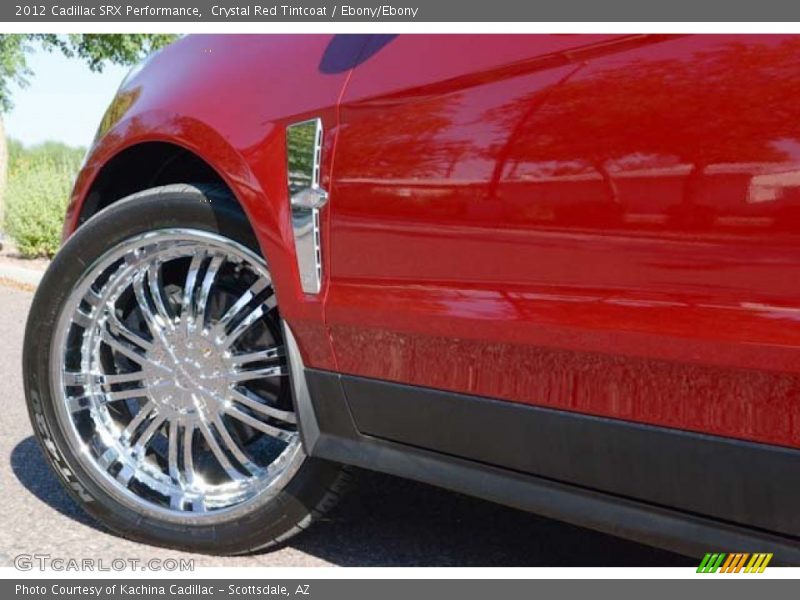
x: 387, y: 521
x: 31, y: 470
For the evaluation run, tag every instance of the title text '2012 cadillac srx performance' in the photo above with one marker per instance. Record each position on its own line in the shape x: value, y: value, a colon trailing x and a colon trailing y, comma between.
x: 557, y: 272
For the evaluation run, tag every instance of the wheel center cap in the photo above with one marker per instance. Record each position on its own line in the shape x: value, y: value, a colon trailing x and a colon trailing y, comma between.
x: 183, y: 380
x: 195, y: 367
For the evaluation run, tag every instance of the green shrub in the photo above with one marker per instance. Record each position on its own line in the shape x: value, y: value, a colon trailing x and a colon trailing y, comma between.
x: 56, y: 151
x: 39, y: 183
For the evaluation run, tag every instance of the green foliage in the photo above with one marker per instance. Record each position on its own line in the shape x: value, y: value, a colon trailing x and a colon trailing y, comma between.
x: 94, y: 49
x: 40, y: 178
x: 15, y: 150
x: 40, y: 181
x: 57, y: 152
x: 13, y: 67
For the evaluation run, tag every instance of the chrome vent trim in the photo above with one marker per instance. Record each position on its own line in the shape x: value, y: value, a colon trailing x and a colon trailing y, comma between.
x: 306, y: 199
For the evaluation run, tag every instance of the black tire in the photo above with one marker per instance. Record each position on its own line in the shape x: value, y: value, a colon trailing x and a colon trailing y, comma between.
x: 315, y: 486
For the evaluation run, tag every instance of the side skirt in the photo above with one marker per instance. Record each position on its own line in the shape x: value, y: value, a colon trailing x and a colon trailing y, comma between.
x: 683, y: 492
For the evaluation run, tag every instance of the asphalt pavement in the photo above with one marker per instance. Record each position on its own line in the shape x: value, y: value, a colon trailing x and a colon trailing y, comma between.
x: 382, y: 521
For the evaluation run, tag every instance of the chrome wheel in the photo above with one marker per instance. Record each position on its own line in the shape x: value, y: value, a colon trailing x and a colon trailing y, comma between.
x: 171, y: 377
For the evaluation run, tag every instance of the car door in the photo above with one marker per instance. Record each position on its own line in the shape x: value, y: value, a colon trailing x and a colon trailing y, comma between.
x: 598, y: 224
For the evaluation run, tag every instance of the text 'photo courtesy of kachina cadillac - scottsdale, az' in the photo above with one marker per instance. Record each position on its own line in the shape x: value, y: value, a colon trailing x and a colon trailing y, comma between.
x: 293, y: 293
x: 104, y: 590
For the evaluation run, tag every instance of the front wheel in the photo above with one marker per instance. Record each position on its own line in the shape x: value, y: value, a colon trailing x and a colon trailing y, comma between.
x: 157, y: 379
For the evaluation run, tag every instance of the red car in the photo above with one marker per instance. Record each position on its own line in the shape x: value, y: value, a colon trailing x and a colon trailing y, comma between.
x: 559, y: 272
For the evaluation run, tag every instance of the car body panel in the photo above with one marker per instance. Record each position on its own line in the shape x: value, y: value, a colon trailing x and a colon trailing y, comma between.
x: 610, y: 233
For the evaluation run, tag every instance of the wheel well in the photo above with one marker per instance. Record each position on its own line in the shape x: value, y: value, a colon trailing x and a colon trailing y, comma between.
x: 144, y: 166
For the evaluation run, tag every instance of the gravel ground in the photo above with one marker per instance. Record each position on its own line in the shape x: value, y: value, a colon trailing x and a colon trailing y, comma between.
x: 10, y: 256
x: 383, y: 521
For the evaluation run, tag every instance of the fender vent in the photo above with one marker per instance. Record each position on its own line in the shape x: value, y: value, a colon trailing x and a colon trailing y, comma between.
x: 306, y: 199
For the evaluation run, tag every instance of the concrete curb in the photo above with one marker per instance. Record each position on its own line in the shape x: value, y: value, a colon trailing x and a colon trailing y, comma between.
x: 21, y: 275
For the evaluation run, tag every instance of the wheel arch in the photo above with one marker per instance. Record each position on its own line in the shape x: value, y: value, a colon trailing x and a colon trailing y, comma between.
x: 155, y: 148
x: 146, y: 165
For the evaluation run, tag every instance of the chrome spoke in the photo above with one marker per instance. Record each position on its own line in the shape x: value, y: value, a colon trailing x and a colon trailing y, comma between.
x: 144, y: 412
x: 119, y: 330
x: 103, y: 379
x: 121, y: 378
x: 78, y: 403
x: 128, y: 352
x: 93, y: 299
x: 165, y: 337
x: 263, y: 409
x: 271, y: 431
x: 188, y: 308
x: 148, y: 434
x: 154, y: 323
x: 73, y: 379
x: 172, y: 451
x: 218, y: 453
x: 245, y: 299
x: 125, y: 395
x: 157, y: 292
x: 252, y: 317
x: 262, y: 373
x: 82, y: 319
x: 234, y: 448
x: 197, y: 505
x: 188, y: 452
x: 125, y: 474
x: 205, y: 288
x: 177, y: 500
x: 266, y: 355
